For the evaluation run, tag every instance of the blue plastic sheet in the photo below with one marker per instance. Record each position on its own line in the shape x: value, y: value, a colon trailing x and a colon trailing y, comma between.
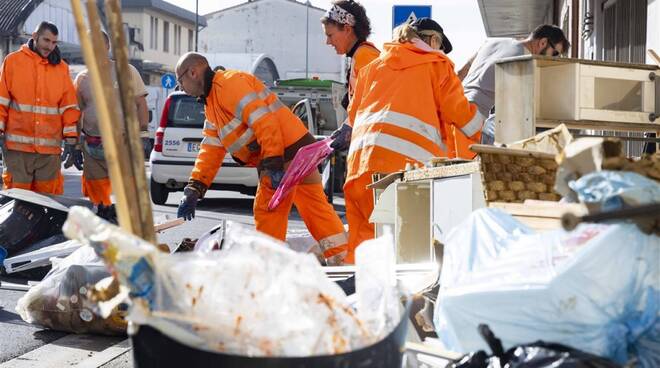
x: 596, y: 288
x: 613, y: 189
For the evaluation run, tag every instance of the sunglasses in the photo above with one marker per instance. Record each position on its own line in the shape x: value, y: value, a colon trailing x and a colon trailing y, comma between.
x: 555, y: 53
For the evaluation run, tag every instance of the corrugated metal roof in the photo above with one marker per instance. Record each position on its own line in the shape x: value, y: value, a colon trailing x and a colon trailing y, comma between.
x: 13, y: 13
x: 507, y: 18
x: 257, y: 1
x: 164, y: 7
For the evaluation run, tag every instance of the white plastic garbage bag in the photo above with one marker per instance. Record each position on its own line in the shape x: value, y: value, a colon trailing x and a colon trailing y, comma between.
x: 255, y: 297
x: 59, y: 301
x: 596, y: 289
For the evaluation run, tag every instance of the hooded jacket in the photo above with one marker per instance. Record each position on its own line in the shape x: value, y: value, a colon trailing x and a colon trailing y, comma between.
x: 400, y: 102
x: 38, y: 104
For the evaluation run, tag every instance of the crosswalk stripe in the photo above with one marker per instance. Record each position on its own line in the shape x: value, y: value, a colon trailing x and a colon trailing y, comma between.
x: 80, y: 351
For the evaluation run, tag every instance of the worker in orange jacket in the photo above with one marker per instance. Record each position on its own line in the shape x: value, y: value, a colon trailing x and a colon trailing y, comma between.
x: 95, y: 178
x: 38, y: 109
x: 346, y: 28
x: 400, y: 103
x: 245, y: 119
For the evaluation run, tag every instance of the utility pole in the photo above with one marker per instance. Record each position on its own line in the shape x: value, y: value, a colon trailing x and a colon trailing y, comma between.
x: 307, y: 41
x: 196, y: 24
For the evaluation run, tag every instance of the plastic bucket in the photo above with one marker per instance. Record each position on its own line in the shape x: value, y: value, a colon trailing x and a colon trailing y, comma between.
x: 154, y: 349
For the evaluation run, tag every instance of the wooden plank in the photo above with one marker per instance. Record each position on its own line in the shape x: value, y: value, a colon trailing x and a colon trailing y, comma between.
x: 132, y: 218
x: 130, y: 122
x: 599, y: 125
x: 441, y: 171
x: 540, y: 209
x: 515, y: 101
x: 483, y: 148
x: 549, y: 60
x: 168, y: 224
x: 654, y: 56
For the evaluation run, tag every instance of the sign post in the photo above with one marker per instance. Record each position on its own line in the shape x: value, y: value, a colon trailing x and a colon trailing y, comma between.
x: 408, y: 13
x: 168, y: 81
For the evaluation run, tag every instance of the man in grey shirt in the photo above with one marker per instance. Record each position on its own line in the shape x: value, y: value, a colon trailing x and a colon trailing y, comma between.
x: 479, y: 83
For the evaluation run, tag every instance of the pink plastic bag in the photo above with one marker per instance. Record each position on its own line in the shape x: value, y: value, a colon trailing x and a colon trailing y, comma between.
x: 307, y: 160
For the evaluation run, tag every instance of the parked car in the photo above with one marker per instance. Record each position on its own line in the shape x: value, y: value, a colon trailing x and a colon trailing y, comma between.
x: 176, y: 146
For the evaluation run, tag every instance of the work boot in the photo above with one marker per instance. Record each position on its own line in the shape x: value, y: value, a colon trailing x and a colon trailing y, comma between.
x: 107, y: 213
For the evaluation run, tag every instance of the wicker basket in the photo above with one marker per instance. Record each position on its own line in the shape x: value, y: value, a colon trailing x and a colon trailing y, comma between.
x: 514, y: 175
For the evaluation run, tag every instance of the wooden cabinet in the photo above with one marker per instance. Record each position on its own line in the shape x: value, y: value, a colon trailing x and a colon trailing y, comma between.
x: 539, y: 91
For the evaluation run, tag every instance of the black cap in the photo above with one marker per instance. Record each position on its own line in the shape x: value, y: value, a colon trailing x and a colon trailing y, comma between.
x: 428, y: 24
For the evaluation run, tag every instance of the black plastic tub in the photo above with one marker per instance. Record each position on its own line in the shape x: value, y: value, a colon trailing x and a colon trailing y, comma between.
x: 154, y: 349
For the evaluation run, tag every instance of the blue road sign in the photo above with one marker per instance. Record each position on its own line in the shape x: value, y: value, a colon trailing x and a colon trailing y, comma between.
x: 168, y: 81
x: 405, y: 13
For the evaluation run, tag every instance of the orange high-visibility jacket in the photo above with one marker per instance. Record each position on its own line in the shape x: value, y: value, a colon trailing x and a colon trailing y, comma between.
x: 38, y: 104
x: 364, y: 54
x: 397, y: 111
x: 246, y: 119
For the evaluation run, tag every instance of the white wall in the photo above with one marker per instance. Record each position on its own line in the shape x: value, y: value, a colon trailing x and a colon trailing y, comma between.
x: 653, y: 29
x: 57, y: 12
x: 276, y: 28
x: 142, y: 19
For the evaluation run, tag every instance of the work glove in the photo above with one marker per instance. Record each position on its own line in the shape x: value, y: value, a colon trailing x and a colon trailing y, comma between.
x: 191, y: 194
x: 341, y: 138
x: 2, y: 139
x: 72, y: 155
x: 274, y: 169
x: 188, y: 204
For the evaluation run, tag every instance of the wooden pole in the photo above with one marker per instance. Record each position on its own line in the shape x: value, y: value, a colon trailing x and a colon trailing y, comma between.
x: 132, y: 216
x: 130, y: 122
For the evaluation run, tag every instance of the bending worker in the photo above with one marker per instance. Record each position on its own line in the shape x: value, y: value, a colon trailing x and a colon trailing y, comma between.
x: 479, y: 82
x: 396, y: 113
x: 246, y: 119
x: 346, y: 28
x: 95, y: 179
x: 38, y: 109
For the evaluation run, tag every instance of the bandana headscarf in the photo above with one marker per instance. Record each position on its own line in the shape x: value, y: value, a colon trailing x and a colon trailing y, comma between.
x: 340, y: 16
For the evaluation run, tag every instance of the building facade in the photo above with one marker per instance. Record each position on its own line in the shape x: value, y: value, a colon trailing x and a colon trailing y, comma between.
x: 287, y: 30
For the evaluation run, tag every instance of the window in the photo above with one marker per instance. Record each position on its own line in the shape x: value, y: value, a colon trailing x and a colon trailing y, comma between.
x: 166, y: 36
x: 191, y: 40
x: 153, y: 40
x: 177, y: 39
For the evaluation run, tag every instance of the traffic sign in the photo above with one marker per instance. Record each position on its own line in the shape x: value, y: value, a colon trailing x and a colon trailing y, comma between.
x: 168, y: 81
x: 407, y: 13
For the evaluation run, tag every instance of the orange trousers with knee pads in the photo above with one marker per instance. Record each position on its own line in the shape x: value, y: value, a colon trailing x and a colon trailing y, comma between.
x: 359, y: 206
x: 319, y: 216
x: 37, y: 172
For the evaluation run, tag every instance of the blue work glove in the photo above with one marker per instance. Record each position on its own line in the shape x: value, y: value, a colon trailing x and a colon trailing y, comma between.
x: 275, y: 178
x: 341, y: 138
x: 72, y: 156
x: 2, y: 139
x: 274, y: 169
x: 188, y: 203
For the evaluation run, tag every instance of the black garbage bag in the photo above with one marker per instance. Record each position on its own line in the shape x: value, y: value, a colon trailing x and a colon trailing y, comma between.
x: 538, y: 354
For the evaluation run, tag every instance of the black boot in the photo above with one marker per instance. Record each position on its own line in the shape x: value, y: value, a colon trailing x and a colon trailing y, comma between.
x: 107, y: 213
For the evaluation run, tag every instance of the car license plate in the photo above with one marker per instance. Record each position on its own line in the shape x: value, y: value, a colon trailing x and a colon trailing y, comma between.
x: 193, y: 147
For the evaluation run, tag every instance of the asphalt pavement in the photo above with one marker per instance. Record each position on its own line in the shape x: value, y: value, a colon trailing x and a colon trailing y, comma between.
x: 26, y: 345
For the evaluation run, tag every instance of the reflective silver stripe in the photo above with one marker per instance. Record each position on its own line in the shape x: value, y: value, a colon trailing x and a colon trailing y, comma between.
x: 70, y: 129
x: 229, y: 127
x: 333, y: 241
x: 34, y: 109
x: 244, y: 102
x: 257, y: 114
x: 209, y: 126
x: 276, y: 105
x: 400, y: 120
x: 64, y: 108
x: 4, y: 101
x: 2, y: 125
x: 212, y: 141
x: 241, y: 141
x: 392, y: 143
x: 32, y: 140
x: 474, y: 126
